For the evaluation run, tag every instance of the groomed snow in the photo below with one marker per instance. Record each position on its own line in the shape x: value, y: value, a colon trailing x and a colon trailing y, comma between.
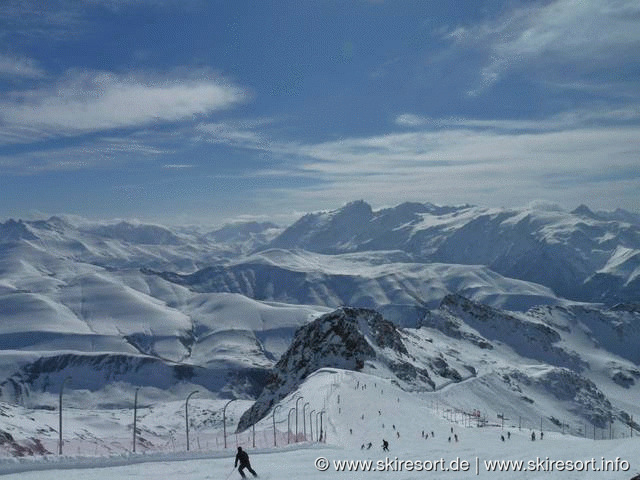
x: 359, y: 409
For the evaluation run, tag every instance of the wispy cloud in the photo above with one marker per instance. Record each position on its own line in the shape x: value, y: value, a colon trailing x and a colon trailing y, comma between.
x: 497, y: 162
x: 490, y: 167
x: 119, y: 4
x: 230, y: 133
x: 61, y: 19
x: 96, y: 153
x: 54, y: 19
x: 177, y: 166
x: 567, y: 120
x: 577, y: 34
x: 93, y: 101
x: 15, y: 66
x: 244, y: 134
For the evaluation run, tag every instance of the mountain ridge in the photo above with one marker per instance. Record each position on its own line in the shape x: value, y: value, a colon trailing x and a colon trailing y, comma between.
x: 110, y: 302
x: 576, y: 245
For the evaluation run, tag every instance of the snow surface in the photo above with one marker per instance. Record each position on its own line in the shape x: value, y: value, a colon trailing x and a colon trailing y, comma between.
x: 119, y: 305
x: 359, y: 409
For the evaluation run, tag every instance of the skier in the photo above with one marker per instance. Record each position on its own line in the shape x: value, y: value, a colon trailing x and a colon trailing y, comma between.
x: 541, y: 435
x: 385, y: 445
x: 509, y: 435
x: 243, y: 458
x: 533, y: 436
x: 369, y: 445
x: 502, y: 437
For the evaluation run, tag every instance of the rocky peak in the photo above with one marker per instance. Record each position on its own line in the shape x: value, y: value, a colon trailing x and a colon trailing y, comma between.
x: 584, y: 211
x: 527, y: 337
x: 345, y: 338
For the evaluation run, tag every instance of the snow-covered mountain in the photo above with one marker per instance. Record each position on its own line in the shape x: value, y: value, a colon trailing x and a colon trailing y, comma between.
x: 545, y: 363
x: 492, y: 302
x: 245, y: 236
x: 580, y: 255
x: 73, y: 301
x: 388, y: 281
x: 348, y: 338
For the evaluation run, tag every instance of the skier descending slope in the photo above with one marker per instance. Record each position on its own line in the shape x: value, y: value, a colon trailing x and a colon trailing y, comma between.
x: 243, y: 458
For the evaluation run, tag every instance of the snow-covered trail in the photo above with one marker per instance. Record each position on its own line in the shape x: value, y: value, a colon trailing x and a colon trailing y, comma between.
x: 360, y: 409
x: 300, y: 463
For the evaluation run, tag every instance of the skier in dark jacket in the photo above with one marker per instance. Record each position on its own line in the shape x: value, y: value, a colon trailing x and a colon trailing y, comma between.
x: 385, y: 445
x: 243, y: 458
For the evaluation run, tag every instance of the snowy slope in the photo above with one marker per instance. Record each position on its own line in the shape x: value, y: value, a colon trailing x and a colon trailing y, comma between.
x: 73, y: 301
x: 384, y: 280
x: 530, y: 361
x: 204, y: 339
x: 349, y: 338
x: 358, y: 409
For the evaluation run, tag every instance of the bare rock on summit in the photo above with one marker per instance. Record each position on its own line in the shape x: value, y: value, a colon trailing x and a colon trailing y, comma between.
x: 346, y: 338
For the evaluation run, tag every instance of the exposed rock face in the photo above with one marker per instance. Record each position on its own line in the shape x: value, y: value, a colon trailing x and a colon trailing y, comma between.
x: 346, y: 338
x: 528, y: 338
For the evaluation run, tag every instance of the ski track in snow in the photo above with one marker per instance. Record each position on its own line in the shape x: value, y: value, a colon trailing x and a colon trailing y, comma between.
x: 357, y: 405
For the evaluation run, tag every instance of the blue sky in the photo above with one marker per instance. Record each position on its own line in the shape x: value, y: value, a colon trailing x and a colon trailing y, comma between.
x: 204, y: 111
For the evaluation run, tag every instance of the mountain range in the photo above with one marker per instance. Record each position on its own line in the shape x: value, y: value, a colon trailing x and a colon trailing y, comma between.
x: 536, y: 307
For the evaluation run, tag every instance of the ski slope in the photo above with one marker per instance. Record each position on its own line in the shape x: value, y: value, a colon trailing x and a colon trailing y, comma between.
x: 362, y: 408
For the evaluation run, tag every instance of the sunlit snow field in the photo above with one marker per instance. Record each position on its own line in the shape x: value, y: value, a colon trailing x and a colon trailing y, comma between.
x: 359, y: 409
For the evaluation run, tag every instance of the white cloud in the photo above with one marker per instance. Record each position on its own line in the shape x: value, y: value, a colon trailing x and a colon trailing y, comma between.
x: 229, y: 134
x: 117, y: 5
x: 411, y: 120
x: 577, y: 34
x: 93, y: 101
x: 410, y: 153
x: 61, y: 19
x: 91, y: 154
x: 53, y: 19
x: 246, y: 134
x: 177, y: 166
x: 14, y: 66
x: 567, y: 120
x: 456, y: 165
x: 572, y: 157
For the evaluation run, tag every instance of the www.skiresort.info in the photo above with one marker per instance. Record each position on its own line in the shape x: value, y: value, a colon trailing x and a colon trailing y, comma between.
x: 458, y: 464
